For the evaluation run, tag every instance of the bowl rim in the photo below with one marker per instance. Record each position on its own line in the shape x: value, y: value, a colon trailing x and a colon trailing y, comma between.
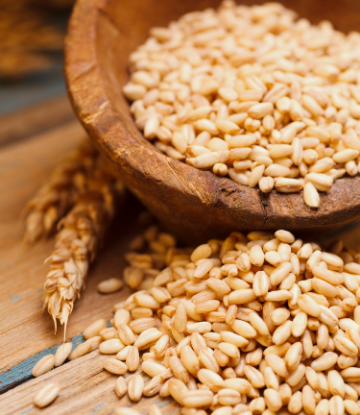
x: 116, y: 139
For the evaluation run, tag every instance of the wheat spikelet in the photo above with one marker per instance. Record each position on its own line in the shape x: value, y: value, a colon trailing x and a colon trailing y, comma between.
x: 81, y: 234
x: 84, y: 184
x: 57, y: 196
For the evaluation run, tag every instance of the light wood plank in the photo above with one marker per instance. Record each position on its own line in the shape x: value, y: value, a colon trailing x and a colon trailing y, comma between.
x: 85, y: 389
x: 33, y: 120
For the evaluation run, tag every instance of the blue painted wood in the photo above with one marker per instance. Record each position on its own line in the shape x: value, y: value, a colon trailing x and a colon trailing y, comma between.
x: 22, y: 372
x: 33, y: 89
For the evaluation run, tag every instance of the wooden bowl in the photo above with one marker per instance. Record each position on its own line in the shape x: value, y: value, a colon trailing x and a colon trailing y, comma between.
x: 191, y: 203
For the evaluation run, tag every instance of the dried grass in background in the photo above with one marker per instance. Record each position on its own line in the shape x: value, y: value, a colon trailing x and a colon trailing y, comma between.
x: 26, y: 34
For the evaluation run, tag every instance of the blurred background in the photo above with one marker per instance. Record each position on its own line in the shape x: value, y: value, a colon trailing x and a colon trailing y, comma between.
x: 32, y: 36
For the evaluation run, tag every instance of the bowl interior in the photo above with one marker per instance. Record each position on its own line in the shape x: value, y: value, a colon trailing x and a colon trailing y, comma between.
x: 130, y: 23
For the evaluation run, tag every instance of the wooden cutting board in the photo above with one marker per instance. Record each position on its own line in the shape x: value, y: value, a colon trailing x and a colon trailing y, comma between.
x: 26, y: 334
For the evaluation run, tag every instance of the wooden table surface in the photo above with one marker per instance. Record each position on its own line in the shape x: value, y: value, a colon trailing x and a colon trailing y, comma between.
x: 26, y: 334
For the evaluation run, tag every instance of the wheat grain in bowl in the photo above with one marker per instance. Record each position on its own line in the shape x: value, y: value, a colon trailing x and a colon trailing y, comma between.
x: 256, y: 94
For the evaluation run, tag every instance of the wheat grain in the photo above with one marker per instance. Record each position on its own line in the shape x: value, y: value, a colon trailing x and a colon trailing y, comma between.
x: 94, y: 329
x: 132, y: 358
x: 109, y: 286
x: 120, y: 387
x: 94, y: 342
x: 299, y: 344
x: 125, y: 333
x: 111, y: 346
x: 62, y: 353
x: 135, y: 387
x: 45, y: 364
x: 115, y: 366
x: 108, y: 333
x: 258, y: 107
x: 47, y: 395
x: 122, y: 354
x: 81, y: 350
x: 152, y: 368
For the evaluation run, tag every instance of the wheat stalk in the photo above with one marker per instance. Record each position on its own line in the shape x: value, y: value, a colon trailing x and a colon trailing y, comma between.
x: 84, y: 184
x: 57, y: 196
x: 82, y: 233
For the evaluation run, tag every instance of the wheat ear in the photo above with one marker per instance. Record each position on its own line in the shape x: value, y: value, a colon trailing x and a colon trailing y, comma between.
x: 81, y: 234
x: 58, y: 194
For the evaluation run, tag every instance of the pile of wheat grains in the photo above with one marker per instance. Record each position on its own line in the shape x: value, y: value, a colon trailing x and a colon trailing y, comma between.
x: 252, y: 93
x: 250, y: 325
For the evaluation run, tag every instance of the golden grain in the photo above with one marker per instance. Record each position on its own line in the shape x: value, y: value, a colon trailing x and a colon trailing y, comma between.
x: 46, y: 395
x: 135, y: 387
x: 121, y: 387
x: 45, y: 364
x: 259, y: 113
x: 217, y: 339
x: 62, y: 353
x: 109, y: 286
